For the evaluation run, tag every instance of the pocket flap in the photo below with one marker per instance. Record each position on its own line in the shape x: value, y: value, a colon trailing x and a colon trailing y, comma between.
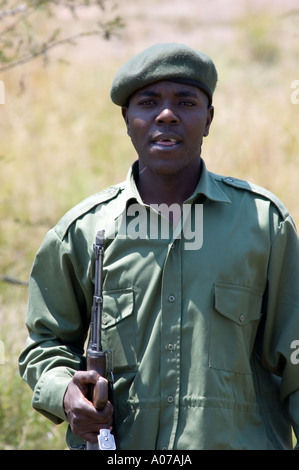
x: 117, y: 305
x: 240, y: 304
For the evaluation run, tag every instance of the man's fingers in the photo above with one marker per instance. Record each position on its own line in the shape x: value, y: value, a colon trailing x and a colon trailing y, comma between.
x: 85, y: 380
x: 87, y: 422
x: 86, y: 377
x: 100, y: 393
x: 85, y: 417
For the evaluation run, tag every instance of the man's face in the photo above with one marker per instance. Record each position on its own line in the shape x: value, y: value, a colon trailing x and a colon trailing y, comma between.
x: 166, y: 122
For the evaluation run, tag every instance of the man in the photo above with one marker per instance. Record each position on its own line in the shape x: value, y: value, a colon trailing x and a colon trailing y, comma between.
x: 203, y: 317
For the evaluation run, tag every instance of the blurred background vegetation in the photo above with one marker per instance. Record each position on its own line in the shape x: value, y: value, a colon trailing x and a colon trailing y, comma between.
x: 61, y: 139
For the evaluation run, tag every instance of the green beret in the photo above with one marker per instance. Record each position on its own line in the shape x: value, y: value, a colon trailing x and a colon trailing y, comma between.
x: 170, y: 61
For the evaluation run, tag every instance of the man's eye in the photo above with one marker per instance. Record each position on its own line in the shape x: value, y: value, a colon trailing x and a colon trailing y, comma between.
x: 187, y: 103
x: 147, y: 103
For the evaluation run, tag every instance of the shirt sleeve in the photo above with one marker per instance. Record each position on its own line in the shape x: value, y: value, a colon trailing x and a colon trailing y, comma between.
x: 282, y: 308
x: 57, y: 321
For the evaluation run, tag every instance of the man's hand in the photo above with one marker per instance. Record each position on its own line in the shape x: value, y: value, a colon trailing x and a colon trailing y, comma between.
x: 85, y: 420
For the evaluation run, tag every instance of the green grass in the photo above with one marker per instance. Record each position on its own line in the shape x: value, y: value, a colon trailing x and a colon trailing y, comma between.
x: 61, y: 140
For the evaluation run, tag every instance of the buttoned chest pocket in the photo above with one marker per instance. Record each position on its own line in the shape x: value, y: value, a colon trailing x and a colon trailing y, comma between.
x: 234, y: 323
x: 118, y: 328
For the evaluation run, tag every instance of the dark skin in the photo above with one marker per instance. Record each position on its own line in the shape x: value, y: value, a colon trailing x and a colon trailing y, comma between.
x: 166, y: 122
x: 84, y: 419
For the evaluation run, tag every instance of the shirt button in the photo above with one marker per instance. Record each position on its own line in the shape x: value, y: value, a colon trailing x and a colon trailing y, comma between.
x: 171, y: 298
x: 241, y: 318
x: 170, y: 399
x: 170, y: 347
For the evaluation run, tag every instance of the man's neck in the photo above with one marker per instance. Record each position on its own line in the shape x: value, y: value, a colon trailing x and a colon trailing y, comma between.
x: 167, y: 189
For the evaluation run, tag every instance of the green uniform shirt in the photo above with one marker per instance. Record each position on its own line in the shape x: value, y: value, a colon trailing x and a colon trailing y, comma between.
x: 201, y: 321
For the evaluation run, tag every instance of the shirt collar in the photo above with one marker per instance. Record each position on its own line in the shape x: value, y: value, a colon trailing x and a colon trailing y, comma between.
x: 131, y: 192
x: 207, y: 186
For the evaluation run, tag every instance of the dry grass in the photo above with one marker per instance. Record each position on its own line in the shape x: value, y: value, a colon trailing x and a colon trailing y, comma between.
x: 61, y: 140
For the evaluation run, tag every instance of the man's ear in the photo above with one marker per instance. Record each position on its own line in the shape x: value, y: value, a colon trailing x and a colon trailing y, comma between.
x: 209, y: 120
x: 124, y: 111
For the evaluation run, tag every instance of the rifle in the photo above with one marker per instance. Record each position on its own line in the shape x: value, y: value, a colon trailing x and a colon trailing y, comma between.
x: 97, y: 359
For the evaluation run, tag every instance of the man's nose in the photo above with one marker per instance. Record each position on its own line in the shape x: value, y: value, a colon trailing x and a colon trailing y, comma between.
x: 167, y: 115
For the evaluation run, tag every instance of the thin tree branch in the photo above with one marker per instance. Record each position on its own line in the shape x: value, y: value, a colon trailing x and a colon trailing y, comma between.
x: 46, y: 47
x: 11, y: 280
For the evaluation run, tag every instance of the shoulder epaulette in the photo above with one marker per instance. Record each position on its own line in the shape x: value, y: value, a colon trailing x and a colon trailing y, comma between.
x: 245, y: 185
x: 85, y: 206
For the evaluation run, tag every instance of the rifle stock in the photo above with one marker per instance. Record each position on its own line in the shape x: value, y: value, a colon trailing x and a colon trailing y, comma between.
x: 97, y: 359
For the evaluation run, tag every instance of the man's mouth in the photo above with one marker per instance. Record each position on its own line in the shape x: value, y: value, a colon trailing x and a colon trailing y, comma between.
x: 165, y: 141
